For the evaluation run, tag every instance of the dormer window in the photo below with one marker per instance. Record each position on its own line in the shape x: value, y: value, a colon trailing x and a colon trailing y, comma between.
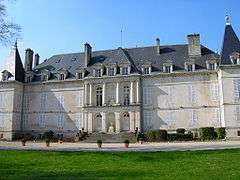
x: 167, y: 68
x: 146, y: 70
x: 125, y: 70
x: 111, y: 71
x: 6, y: 75
x: 44, y: 77
x: 212, y: 66
x: 61, y: 76
x: 235, y: 58
x: 97, y: 72
x: 29, y: 76
x: 79, y: 75
x: 190, y: 67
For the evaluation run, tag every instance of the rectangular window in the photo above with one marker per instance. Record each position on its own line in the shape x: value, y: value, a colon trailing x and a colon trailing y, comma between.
x: 147, y: 115
x: 190, y: 67
x: 79, y: 75
x: 168, y: 95
x: 212, y: 66
x: 79, y: 120
x: 97, y: 72
x: 62, y: 77
x: 79, y: 99
x: 236, y: 84
x: 25, y: 121
x: 27, y: 101
x: 146, y: 70
x: 42, y: 120
x: 194, y: 118
x: 1, y: 121
x: 237, y: 113
x: 43, y: 101
x: 167, y: 69
x: 192, y: 97
x: 147, y: 95
x: 124, y: 70
x: 60, y: 122
x: 111, y: 71
x: 214, y: 92
x: 60, y: 100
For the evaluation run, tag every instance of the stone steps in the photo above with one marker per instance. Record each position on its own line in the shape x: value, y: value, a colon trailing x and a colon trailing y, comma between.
x: 110, y: 138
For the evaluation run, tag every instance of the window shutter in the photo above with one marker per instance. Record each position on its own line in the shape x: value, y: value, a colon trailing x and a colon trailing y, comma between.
x: 236, y: 89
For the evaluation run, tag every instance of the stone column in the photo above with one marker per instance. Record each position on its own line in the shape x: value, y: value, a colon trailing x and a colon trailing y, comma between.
x: 90, y: 94
x: 103, y: 94
x: 132, y: 122
x: 117, y: 121
x: 85, y: 94
x: 137, y: 92
x: 104, y: 128
x: 85, y: 121
x: 117, y: 93
x: 90, y: 122
x: 131, y: 93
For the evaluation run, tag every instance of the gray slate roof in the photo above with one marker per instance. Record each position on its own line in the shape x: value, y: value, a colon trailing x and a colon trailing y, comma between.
x: 137, y: 57
x: 230, y: 44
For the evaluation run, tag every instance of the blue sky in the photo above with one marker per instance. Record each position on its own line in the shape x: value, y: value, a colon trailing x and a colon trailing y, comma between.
x: 62, y: 26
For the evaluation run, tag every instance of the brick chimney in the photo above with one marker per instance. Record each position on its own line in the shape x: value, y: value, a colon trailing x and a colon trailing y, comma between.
x: 28, y: 59
x: 194, y: 47
x: 36, y: 60
x: 88, y: 53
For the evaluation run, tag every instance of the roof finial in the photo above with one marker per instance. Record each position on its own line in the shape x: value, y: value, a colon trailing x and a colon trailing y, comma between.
x: 227, y: 19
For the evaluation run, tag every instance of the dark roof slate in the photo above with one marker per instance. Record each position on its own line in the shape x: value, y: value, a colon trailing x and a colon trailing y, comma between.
x: 230, y: 44
x: 136, y: 57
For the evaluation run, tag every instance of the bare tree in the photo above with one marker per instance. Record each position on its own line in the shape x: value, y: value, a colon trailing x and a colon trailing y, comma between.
x: 8, y: 31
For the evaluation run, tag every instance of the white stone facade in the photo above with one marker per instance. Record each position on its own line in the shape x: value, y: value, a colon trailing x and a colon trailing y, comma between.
x: 159, y: 101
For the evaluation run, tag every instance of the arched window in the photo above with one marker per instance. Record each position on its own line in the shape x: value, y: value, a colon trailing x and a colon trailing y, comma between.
x: 99, y: 96
x: 126, y: 95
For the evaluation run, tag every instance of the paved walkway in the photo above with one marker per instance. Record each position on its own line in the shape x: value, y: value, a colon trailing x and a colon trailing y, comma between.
x: 151, y: 147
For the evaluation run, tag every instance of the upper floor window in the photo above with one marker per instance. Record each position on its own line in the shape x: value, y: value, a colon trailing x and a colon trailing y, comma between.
x: 190, y: 67
x: 79, y: 75
x: 124, y: 70
x: 126, y: 95
x: 61, y: 76
x: 99, y: 96
x: 98, y: 72
x: 146, y: 70
x: 29, y: 79
x: 235, y: 58
x: 111, y: 71
x: 147, y: 95
x: 212, y: 66
x: 167, y: 68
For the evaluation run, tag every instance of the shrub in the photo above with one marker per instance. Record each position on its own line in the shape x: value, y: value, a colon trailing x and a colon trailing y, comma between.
x: 99, y: 141
x: 140, y: 136
x: 126, y: 141
x: 151, y: 136
x: 48, y: 136
x: 161, y: 135
x: 221, y: 132
x: 180, y: 131
x: 207, y: 133
x: 180, y: 137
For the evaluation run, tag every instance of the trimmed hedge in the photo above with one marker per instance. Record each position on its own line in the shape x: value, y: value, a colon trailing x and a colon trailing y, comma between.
x: 180, y: 131
x: 207, y: 133
x: 156, y: 135
x: 161, y: 135
x: 180, y: 137
x: 221, y: 132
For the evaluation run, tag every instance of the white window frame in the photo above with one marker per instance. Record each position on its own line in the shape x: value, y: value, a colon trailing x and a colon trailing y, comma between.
x: 214, y: 92
x: 98, y: 72
x: 236, y: 84
x: 125, y: 70
x: 148, y: 118
x: 192, y: 94
x: 147, y: 96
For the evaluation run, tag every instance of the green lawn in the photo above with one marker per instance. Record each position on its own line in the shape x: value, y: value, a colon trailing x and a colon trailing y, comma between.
x: 221, y: 164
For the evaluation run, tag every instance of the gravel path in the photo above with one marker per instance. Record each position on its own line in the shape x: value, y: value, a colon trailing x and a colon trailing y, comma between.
x: 150, y: 147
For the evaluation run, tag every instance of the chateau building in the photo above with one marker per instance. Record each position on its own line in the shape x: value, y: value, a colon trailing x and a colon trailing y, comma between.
x: 156, y: 87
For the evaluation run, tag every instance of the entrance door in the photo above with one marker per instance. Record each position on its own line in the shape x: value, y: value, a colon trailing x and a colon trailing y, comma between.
x: 125, y: 122
x: 98, y: 127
